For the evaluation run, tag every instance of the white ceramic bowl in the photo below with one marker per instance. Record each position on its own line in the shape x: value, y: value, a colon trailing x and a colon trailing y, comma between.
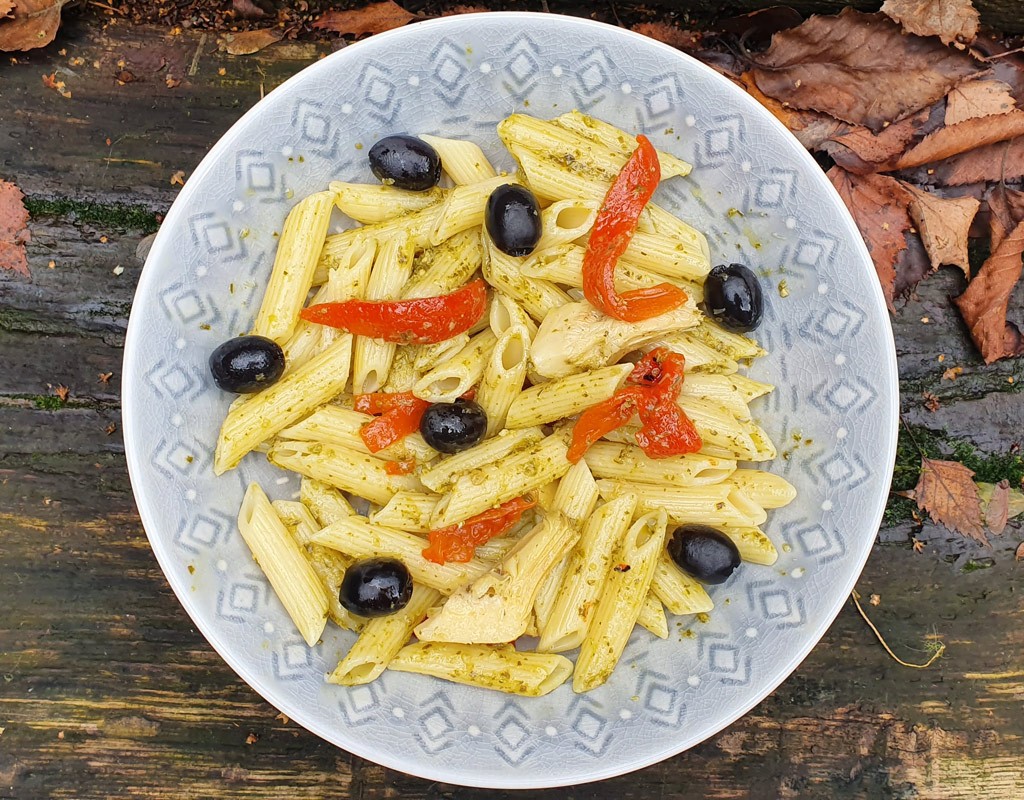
x: 831, y: 355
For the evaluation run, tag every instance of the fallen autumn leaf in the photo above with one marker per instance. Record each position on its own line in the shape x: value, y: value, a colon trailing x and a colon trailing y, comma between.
x: 14, y: 233
x: 945, y: 490
x: 998, y: 510
x: 374, y: 18
x: 860, y: 68
x: 978, y: 99
x: 249, y: 42
x: 962, y: 137
x: 944, y: 224
x: 878, y: 204
x: 669, y: 34
x: 950, y: 20
x: 35, y: 23
x: 984, y: 303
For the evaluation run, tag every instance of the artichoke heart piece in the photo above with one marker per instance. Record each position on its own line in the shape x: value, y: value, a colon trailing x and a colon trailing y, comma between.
x: 576, y: 337
x: 496, y: 607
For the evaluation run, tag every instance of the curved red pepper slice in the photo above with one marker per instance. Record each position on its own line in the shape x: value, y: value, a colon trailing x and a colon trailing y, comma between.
x: 613, y: 230
x: 459, y: 542
x: 424, y: 320
x: 401, y: 414
x: 655, y: 384
x: 602, y: 419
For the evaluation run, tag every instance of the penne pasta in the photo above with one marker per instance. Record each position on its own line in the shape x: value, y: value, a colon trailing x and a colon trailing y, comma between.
x: 652, y: 616
x: 348, y: 470
x: 619, y: 606
x: 356, y: 537
x: 440, y: 476
x: 373, y: 202
x: 282, y: 561
x: 294, y: 265
x: 629, y: 463
x: 501, y: 384
x: 525, y: 471
x: 457, y: 375
x: 490, y: 667
x: 680, y: 593
x: 407, y: 511
x: 537, y: 297
x: 326, y: 503
x: 464, y: 162
x: 371, y: 358
x: 338, y: 425
x: 566, y: 221
x: 566, y: 397
x: 381, y: 640
x: 262, y: 416
x: 721, y: 502
x: 585, y: 574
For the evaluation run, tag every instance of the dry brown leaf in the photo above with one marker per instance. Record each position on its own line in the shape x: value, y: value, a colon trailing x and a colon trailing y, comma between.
x: 878, y: 204
x: 860, y: 150
x: 1005, y: 210
x: 859, y: 68
x: 1002, y: 161
x: 997, y: 514
x: 950, y: 20
x: 952, y: 373
x: 464, y: 9
x: 35, y: 23
x: 374, y: 18
x: 967, y: 135
x: 1019, y: 555
x: 943, y: 224
x: 931, y: 401
x: 811, y: 128
x: 978, y: 99
x: 6, y: 7
x: 249, y: 42
x: 178, y: 178
x: 918, y: 545
x: 874, y: 599
x: 62, y: 392
x: 1015, y: 501
x: 983, y: 305
x: 14, y: 233
x: 945, y: 490
x: 247, y: 9
x: 104, y: 377
x: 669, y: 34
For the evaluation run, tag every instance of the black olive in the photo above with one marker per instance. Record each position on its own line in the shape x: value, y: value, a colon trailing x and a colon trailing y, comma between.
x: 451, y: 427
x: 376, y: 587
x: 406, y: 162
x: 732, y: 297
x: 512, y: 218
x: 703, y: 552
x: 247, y: 364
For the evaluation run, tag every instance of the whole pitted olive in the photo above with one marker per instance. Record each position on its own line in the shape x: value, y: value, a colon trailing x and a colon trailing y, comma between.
x: 405, y: 162
x: 512, y: 217
x: 703, y: 552
x: 376, y: 587
x: 247, y: 364
x: 452, y: 427
x: 732, y: 297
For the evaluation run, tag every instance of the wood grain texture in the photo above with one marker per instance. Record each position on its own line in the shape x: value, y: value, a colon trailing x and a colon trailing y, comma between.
x: 106, y: 689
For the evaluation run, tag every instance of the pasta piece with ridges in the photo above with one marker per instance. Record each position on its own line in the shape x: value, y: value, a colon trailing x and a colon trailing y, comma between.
x: 491, y: 667
x: 282, y: 561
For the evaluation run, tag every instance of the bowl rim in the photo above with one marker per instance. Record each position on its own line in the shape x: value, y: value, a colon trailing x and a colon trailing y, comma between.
x: 137, y: 465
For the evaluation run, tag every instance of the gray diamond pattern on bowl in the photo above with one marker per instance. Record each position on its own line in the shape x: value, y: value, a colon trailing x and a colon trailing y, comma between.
x: 830, y: 355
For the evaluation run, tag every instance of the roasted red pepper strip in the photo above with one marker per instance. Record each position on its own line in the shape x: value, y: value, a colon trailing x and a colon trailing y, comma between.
x: 602, y: 419
x: 399, y: 467
x: 665, y: 429
x: 613, y: 230
x: 459, y: 542
x: 401, y: 411
x: 425, y: 320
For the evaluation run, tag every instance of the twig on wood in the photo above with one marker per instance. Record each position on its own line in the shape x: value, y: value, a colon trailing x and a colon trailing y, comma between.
x: 938, y: 650
x: 193, y: 68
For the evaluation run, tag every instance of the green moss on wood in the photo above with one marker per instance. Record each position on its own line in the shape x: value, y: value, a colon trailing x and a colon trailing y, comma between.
x: 109, y: 215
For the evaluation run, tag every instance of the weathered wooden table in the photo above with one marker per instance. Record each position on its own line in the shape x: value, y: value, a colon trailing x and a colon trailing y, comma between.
x: 106, y: 689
